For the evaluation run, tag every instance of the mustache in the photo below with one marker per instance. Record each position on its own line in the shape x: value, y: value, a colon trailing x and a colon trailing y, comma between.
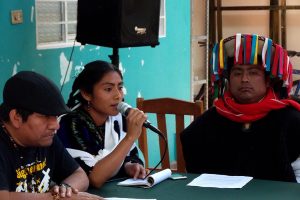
x: 245, y: 87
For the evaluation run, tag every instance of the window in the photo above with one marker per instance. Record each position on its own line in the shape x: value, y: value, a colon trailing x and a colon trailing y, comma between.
x: 162, y: 19
x: 56, y: 23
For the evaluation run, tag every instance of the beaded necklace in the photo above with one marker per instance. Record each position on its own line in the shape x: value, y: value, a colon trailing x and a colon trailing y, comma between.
x: 30, y: 174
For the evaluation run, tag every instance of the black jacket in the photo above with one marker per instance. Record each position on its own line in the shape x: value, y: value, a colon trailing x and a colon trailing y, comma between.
x: 215, y: 144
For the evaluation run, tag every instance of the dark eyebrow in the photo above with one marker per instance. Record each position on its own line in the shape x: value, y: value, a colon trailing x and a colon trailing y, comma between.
x: 236, y: 69
x: 112, y: 84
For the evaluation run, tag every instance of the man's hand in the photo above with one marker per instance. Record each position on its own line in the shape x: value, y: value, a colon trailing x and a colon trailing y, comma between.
x: 68, y: 193
x: 135, y: 170
x: 64, y: 190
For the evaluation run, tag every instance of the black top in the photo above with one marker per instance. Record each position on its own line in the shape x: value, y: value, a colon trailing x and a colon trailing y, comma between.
x: 33, y: 169
x: 78, y: 131
x: 263, y: 149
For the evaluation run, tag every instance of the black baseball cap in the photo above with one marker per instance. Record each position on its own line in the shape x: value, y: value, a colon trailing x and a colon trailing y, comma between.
x: 33, y: 92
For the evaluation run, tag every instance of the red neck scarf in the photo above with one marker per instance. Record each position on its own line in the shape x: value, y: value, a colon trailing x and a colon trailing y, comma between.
x: 246, y: 113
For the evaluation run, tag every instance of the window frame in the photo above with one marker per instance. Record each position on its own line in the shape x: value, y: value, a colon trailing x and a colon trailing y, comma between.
x: 162, y: 17
x: 67, y: 39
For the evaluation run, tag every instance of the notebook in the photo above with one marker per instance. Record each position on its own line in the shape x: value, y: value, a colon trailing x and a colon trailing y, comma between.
x: 150, y: 181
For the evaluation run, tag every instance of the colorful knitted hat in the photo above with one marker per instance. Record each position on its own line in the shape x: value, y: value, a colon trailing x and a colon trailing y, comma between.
x: 248, y: 49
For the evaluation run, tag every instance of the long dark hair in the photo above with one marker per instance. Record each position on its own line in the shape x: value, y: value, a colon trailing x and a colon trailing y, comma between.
x: 92, y: 73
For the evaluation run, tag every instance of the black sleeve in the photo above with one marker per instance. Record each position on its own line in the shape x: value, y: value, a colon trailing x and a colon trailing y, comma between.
x: 133, y: 157
x: 7, y: 164
x: 4, y: 185
x: 188, y: 142
x: 293, y: 133
x: 64, y: 164
x: 193, y: 145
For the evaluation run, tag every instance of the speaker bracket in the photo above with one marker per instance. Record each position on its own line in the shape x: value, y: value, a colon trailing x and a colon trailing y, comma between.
x: 115, y: 59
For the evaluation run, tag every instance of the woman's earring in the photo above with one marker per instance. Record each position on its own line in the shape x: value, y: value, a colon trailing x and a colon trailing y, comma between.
x: 88, y: 105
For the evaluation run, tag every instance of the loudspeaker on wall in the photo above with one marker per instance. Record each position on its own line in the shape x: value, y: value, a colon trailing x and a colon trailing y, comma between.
x: 118, y: 23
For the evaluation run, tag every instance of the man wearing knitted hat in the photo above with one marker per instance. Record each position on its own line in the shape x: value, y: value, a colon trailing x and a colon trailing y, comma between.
x: 33, y: 163
x: 253, y: 128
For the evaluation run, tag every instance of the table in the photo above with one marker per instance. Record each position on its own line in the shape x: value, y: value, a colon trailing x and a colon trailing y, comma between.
x: 177, y: 190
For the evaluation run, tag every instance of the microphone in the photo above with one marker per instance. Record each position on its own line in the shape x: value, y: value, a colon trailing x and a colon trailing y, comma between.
x: 124, y: 109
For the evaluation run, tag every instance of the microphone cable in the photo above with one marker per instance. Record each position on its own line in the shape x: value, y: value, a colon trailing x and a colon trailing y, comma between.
x: 124, y: 108
x: 71, y: 55
x: 160, y: 134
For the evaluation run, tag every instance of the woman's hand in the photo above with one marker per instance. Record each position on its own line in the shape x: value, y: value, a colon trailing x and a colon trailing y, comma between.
x: 135, y: 120
x: 135, y: 170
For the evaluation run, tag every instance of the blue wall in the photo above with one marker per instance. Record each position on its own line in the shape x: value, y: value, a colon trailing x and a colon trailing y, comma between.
x: 151, y: 72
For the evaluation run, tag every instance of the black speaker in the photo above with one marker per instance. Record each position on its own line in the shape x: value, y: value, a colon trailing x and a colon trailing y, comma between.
x: 118, y: 23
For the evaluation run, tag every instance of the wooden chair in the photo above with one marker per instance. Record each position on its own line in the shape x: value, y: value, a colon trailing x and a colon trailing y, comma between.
x: 161, y: 107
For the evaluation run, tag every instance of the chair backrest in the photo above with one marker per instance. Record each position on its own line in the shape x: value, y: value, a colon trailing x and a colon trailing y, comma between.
x: 161, y: 107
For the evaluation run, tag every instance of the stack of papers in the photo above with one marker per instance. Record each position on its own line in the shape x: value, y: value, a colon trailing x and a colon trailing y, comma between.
x: 220, y: 181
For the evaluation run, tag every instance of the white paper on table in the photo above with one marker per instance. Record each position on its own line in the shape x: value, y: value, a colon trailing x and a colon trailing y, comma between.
x: 220, y: 181
x: 116, y: 198
x: 149, y: 181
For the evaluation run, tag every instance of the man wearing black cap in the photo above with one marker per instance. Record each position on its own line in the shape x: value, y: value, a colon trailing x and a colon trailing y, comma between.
x: 33, y: 163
